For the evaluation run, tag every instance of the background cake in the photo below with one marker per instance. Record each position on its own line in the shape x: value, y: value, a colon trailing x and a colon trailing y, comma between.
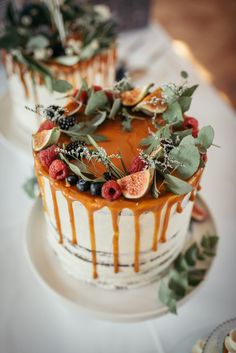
x: 45, y: 45
x: 118, y: 172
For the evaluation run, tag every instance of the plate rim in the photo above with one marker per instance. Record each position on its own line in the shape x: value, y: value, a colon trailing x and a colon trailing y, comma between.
x: 99, y: 314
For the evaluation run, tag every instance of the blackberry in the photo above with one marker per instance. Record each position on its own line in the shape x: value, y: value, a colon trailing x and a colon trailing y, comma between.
x: 75, y: 148
x: 54, y: 113
x: 107, y: 176
x: 67, y: 122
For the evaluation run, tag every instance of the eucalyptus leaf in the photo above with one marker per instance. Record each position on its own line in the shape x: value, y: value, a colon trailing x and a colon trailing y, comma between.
x: 181, y: 263
x: 61, y: 86
x: 185, y: 103
x: 189, y: 91
x: 67, y: 60
x: 176, y: 185
x: 173, y: 114
x: 196, y: 276
x: 37, y: 42
x: 187, y: 157
x: 115, y: 108
x: 191, y: 254
x: 97, y: 101
x: 178, y: 283
x: 205, y: 136
x: 31, y: 187
x: 209, y: 242
x: 167, y: 297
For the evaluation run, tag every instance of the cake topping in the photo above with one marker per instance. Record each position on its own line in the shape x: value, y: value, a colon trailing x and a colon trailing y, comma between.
x: 58, y: 170
x: 111, y: 190
x: 173, y: 150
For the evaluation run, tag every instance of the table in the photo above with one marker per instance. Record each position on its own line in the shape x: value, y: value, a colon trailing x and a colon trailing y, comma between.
x: 31, y: 320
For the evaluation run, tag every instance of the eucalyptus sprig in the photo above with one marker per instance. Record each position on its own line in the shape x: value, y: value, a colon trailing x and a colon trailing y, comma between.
x: 184, y: 274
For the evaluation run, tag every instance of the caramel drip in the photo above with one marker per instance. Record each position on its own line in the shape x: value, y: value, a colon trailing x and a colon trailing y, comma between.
x: 72, y: 221
x: 42, y: 192
x: 136, y: 242
x: 56, y: 213
x: 115, y: 215
x: 192, y: 196
x: 156, y: 230
x: 166, y: 219
x: 179, y: 208
x: 199, y: 187
x: 93, y: 242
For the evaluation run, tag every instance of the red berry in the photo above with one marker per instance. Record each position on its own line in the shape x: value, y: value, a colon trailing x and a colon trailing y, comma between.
x: 75, y: 92
x: 46, y: 125
x: 47, y: 156
x: 109, y: 95
x: 58, y: 170
x: 83, y: 97
x: 111, y: 190
x: 137, y: 165
x: 97, y: 88
x: 191, y: 123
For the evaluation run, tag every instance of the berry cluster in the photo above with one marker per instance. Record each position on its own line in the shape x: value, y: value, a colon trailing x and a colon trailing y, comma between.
x: 75, y: 148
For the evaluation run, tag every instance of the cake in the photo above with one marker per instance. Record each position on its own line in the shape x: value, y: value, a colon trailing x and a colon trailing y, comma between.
x: 230, y: 342
x: 118, y: 172
x: 44, y: 45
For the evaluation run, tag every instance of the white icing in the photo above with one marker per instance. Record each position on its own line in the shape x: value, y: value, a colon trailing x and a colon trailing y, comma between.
x: 77, y: 259
x: 198, y: 348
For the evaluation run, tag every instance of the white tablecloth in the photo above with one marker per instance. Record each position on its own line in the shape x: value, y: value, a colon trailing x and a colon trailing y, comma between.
x: 32, y: 321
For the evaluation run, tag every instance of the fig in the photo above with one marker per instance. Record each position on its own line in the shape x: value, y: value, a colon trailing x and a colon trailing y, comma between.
x: 45, y: 138
x: 199, y: 213
x: 136, y: 185
x: 134, y: 96
x: 152, y: 104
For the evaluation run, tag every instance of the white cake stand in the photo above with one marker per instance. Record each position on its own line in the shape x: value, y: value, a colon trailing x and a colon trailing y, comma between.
x: 120, y: 305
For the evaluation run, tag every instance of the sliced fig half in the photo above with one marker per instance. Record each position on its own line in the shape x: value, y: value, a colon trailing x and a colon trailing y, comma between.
x: 134, y: 96
x: 136, y: 185
x: 152, y: 104
x: 45, y: 138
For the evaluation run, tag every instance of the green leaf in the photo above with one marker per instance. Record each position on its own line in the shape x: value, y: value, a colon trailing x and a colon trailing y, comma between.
x: 115, y: 108
x: 176, y: 185
x: 173, y: 114
x: 184, y: 74
x: 10, y: 40
x: 67, y: 60
x: 31, y: 187
x: 154, y: 190
x: 178, y: 283
x: 37, y: 42
x: 181, y: 263
x: 61, y: 86
x: 185, y: 103
x: 209, y: 242
x: 205, y: 136
x: 83, y: 87
x: 192, y: 254
x: 126, y: 124
x: 196, y: 276
x: 187, y: 157
x: 167, y: 297
x: 98, y: 100
x: 189, y: 91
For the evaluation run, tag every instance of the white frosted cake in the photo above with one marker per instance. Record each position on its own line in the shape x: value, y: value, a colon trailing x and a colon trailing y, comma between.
x: 36, y: 56
x: 118, y: 171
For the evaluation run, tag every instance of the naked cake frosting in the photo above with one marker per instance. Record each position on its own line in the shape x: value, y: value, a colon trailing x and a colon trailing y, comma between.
x: 118, y: 171
x: 47, y: 49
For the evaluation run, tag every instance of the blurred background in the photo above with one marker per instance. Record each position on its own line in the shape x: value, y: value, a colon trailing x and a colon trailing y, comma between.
x: 202, y: 30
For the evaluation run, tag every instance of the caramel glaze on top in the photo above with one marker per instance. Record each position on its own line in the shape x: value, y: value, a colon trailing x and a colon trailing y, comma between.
x: 126, y: 143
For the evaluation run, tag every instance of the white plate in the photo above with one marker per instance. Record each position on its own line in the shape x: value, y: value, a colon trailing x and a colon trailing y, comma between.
x: 120, y: 305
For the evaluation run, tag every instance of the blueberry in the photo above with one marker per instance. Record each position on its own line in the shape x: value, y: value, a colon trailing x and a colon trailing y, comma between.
x: 83, y: 185
x: 72, y: 179
x: 96, y: 188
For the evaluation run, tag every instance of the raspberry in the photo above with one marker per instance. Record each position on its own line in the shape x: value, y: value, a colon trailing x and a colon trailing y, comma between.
x: 75, y: 92
x: 47, y: 156
x: 46, y: 125
x: 83, y: 97
x: 204, y: 157
x: 97, y: 88
x: 58, y: 170
x: 191, y: 123
x: 111, y: 190
x: 137, y: 165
